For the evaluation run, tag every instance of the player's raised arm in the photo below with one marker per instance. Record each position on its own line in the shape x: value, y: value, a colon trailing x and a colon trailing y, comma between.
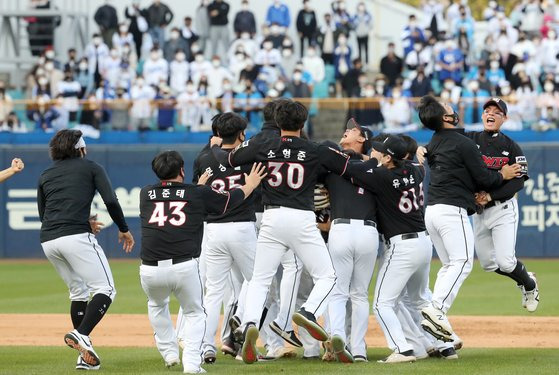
x: 105, y: 189
x: 16, y: 167
x: 332, y: 159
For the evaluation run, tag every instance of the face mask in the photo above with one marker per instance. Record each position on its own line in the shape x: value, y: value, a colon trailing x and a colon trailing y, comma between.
x: 216, y: 63
x: 551, y: 35
x: 369, y: 93
x: 311, y: 53
x: 114, y: 53
x: 245, y: 36
x: 494, y: 65
x: 474, y: 85
x: 180, y: 56
x: 226, y: 86
x: 455, y: 118
x: 140, y: 82
x: 50, y: 54
x: 417, y: 47
x: 505, y: 90
x: 280, y: 86
x: 297, y: 77
x: 43, y: 81
x: 412, y: 24
x: 548, y: 87
x: 287, y: 52
x: 361, y: 8
x: 123, y: 29
x: 199, y: 58
x: 125, y: 49
x: 195, y: 48
x: 245, y: 7
x: 83, y: 66
x: 240, y: 56
x: 190, y: 88
x: 97, y: 41
x: 175, y: 35
x: 41, y: 60
x: 275, y: 29
x: 341, y: 6
x: 49, y: 67
x: 39, y: 72
x: 268, y: 46
x: 342, y: 41
x: 154, y: 55
x: 449, y: 85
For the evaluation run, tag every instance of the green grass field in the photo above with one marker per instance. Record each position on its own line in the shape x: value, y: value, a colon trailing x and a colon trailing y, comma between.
x: 34, y: 287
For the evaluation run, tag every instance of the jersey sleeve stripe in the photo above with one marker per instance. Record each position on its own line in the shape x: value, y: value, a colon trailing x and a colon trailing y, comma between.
x: 345, y: 166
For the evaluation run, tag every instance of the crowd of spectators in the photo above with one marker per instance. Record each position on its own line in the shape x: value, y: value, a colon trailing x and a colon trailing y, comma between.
x: 139, y: 73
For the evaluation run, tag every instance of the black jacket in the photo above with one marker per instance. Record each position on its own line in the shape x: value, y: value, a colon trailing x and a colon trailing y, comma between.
x: 244, y: 22
x: 158, y: 15
x: 457, y: 170
x: 306, y: 23
x: 106, y: 17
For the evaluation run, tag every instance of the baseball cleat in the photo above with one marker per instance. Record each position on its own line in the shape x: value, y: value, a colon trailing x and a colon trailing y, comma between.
x: 340, y: 350
x: 328, y: 352
x: 234, y: 323
x: 249, y: 352
x: 282, y: 353
x: 438, y: 319
x: 313, y: 357
x: 209, y: 356
x: 172, y: 362
x: 198, y: 370
x: 457, y: 341
x: 432, y: 330
x: 360, y: 358
x: 448, y: 353
x: 531, y: 298
x: 81, y: 365
x: 307, y: 320
x: 82, y: 344
x: 288, y: 336
x: 396, y: 357
x: 229, y: 348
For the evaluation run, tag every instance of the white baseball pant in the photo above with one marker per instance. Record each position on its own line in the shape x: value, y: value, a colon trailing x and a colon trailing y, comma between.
x: 451, y: 233
x: 495, y: 233
x: 183, y: 280
x: 81, y: 263
x: 353, y: 248
x: 403, y: 266
x: 283, y: 229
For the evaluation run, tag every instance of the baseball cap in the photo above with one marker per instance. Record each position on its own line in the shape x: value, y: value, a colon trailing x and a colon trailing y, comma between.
x: 498, y: 102
x: 393, y: 146
x: 365, y: 133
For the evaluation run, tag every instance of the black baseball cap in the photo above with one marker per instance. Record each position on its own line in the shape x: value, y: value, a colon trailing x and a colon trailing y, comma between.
x: 393, y: 145
x: 498, y: 102
x: 365, y: 133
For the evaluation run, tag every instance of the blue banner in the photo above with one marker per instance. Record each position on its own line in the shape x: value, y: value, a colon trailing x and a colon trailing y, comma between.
x: 129, y: 169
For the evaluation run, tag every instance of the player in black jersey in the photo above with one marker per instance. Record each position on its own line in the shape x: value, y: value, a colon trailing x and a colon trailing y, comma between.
x: 398, y: 184
x: 353, y: 245
x: 495, y: 228
x: 172, y: 215
x: 230, y: 237
x: 288, y: 221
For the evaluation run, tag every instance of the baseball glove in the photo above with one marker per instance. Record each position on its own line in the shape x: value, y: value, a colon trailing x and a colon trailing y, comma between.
x: 321, y: 197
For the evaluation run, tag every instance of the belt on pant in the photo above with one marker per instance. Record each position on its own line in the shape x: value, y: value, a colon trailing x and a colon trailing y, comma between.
x: 494, y: 203
x: 269, y: 207
x: 369, y: 223
x: 155, y: 263
x: 405, y: 236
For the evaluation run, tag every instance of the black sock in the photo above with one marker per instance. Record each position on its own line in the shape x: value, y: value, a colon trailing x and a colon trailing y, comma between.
x: 96, y: 309
x: 77, y: 312
x: 263, y: 318
x: 520, y: 275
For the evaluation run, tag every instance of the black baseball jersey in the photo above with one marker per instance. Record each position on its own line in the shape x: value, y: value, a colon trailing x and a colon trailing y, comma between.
x: 399, y: 194
x: 498, y: 150
x: 293, y: 165
x: 196, y: 170
x: 224, y: 178
x: 457, y: 170
x: 172, y: 217
x: 349, y: 201
x: 64, y: 197
x: 269, y: 130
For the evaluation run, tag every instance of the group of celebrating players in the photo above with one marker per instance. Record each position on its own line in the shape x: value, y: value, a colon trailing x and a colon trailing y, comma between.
x: 304, y: 245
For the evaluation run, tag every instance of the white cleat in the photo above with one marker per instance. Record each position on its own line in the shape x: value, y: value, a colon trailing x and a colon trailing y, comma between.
x: 436, y: 323
x: 82, y: 344
x: 399, y: 357
x: 531, y: 298
x: 81, y: 365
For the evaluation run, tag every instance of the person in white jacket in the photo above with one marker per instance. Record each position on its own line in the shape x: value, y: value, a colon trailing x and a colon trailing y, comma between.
x: 156, y: 68
x: 178, y: 72
x: 314, y: 64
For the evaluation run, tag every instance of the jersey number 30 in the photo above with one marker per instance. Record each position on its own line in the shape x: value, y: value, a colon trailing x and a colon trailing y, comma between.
x: 410, y: 200
x: 178, y: 217
x: 295, y: 174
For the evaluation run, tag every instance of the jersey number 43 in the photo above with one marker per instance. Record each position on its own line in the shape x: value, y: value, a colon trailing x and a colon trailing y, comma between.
x: 176, y: 218
x: 411, y: 199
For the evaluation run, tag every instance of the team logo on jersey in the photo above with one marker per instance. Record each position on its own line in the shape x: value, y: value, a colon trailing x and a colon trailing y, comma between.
x: 495, y: 161
x: 506, y: 153
x: 521, y: 159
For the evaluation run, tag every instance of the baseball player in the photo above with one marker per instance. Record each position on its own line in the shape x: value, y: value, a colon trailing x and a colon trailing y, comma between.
x: 288, y: 221
x: 457, y: 172
x: 16, y: 167
x: 64, y: 197
x: 399, y: 188
x: 496, y: 226
x: 231, y: 237
x: 353, y: 245
x: 172, y: 215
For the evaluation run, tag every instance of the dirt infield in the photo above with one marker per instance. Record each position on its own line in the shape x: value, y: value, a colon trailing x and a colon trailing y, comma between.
x: 134, y: 330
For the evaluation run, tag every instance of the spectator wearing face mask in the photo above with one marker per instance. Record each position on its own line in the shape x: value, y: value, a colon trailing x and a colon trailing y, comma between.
x: 43, y: 115
x: 244, y: 20
x: 491, y: 10
x: 549, y: 51
x: 110, y: 68
x: 54, y: 76
x: 166, y: 104
x: 419, y: 57
x: 313, y: 64
x: 297, y: 87
x: 141, y: 95
x: 84, y: 78
x: 188, y: 105
x: 122, y: 37
x: 72, y: 63
x: 216, y: 75
x: 249, y: 103
x: 471, y: 105
x: 69, y: 89
x: 226, y: 97
x: 362, y: 22
x: 451, y: 93
x: 138, y: 24
x: 6, y: 103
x: 367, y: 113
x: 495, y: 74
x: 250, y: 72
x: 245, y: 45
x: 396, y: 111
x: 178, y: 72
x: 156, y: 68
x: 351, y: 79
x: 278, y: 13
x: 412, y: 34
x: 391, y: 65
x: 342, y: 61
x: 120, y: 109
x: 199, y: 67
x: 420, y: 85
x: 188, y: 33
x: 433, y: 17
x: 107, y: 20
x: 173, y: 44
x: 532, y: 18
x: 548, y: 98
x: 450, y: 62
x: 158, y: 16
x: 341, y: 17
x: 306, y: 26
x: 453, y: 11
x: 268, y: 55
x: 13, y: 124
x: 42, y: 88
x: 96, y: 51
x: 275, y: 36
